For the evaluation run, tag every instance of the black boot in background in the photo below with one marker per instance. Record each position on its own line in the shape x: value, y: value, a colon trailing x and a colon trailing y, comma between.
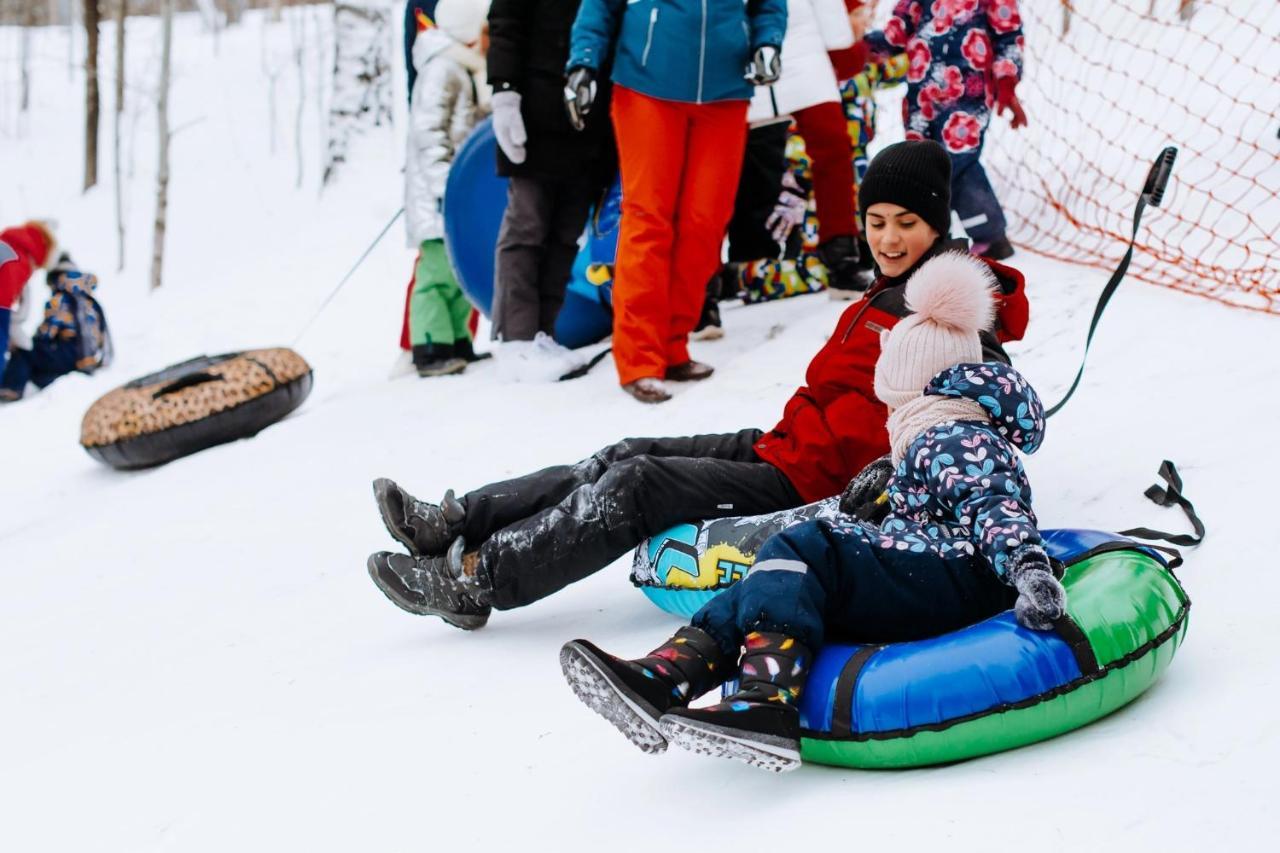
x: 709, y: 328
x: 760, y: 723
x: 421, y: 527
x: 997, y: 250
x: 453, y: 587
x: 634, y: 694
x: 437, y: 360
x: 866, y: 264
x: 466, y: 351
x: 840, y: 256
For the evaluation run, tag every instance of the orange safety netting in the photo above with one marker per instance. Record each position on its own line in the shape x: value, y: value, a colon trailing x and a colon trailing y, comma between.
x: 1106, y: 85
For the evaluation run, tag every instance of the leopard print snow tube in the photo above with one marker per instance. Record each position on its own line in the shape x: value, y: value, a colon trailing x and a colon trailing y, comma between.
x: 197, y: 404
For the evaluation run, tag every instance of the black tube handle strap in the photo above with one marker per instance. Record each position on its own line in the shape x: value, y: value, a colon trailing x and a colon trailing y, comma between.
x: 1171, y: 494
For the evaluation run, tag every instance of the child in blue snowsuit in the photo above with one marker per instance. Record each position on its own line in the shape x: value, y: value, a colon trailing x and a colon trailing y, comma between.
x: 73, y: 335
x: 960, y: 544
x: 965, y: 57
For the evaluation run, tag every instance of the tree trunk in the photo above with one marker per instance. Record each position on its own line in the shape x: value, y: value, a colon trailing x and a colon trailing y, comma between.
x: 29, y: 21
x: 298, y: 32
x: 122, y: 12
x: 162, y: 171
x: 92, y: 14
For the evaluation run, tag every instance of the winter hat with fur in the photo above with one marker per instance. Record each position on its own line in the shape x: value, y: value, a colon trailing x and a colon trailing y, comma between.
x: 952, y: 298
x: 462, y: 20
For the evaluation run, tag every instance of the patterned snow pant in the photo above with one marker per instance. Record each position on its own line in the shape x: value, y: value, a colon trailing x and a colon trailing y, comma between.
x: 829, y: 577
x: 541, y: 532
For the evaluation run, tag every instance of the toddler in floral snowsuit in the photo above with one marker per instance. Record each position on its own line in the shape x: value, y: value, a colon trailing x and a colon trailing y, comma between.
x: 965, y: 57
x: 959, y: 545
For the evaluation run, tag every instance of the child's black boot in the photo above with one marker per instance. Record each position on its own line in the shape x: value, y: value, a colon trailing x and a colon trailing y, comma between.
x: 437, y: 360
x: 760, y: 723
x: 634, y: 694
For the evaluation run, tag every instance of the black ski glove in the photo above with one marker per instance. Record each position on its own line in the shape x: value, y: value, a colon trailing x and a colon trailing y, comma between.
x: 765, y: 66
x: 1041, y: 598
x: 579, y: 95
x: 861, y: 498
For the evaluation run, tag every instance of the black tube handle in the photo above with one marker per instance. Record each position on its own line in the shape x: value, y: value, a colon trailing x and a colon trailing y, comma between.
x: 191, y: 379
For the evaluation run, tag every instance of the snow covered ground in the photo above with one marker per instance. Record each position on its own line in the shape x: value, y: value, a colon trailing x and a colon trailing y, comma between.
x: 192, y: 658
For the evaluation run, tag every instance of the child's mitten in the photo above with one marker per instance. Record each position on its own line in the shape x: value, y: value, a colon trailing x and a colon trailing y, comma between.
x: 1041, y: 598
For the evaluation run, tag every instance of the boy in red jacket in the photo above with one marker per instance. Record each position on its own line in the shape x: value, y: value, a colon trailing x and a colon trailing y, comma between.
x: 509, y: 544
x: 23, y: 250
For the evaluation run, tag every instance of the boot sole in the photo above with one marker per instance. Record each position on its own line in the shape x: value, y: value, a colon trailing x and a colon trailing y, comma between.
x: 457, y: 620
x: 768, y: 753
x: 839, y: 294
x: 599, y: 691
x: 710, y: 333
x: 381, y: 494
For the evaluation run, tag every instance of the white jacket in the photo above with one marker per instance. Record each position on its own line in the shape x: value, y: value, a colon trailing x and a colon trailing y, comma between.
x: 813, y: 28
x: 450, y: 97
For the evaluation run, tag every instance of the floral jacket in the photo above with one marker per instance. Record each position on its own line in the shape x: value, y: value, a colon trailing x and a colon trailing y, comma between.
x: 957, y: 50
x: 961, y: 488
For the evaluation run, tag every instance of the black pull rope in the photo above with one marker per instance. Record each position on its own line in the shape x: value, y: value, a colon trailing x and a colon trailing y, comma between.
x: 1171, y: 494
x: 1152, y: 194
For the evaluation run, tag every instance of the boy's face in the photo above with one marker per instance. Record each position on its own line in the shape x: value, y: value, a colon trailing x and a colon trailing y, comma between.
x: 897, y: 237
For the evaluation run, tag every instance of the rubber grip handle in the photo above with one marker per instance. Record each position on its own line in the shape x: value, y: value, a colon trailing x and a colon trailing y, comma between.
x: 1158, y: 176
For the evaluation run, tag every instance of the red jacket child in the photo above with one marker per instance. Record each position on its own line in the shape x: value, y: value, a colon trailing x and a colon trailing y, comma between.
x: 23, y: 250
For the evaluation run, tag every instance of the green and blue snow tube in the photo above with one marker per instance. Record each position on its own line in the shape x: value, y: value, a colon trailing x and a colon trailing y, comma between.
x: 985, y: 688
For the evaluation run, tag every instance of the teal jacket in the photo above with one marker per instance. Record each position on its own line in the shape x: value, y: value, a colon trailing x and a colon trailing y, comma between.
x: 695, y: 51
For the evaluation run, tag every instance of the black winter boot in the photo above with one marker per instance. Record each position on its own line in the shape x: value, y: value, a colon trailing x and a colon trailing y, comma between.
x: 866, y: 264
x: 709, y: 328
x: 437, y: 360
x: 840, y: 256
x: 466, y: 351
x: 997, y: 250
x: 452, y: 587
x: 421, y: 527
x: 634, y: 694
x: 760, y: 723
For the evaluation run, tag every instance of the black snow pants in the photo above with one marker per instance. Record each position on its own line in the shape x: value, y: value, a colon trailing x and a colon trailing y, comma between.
x: 539, y: 533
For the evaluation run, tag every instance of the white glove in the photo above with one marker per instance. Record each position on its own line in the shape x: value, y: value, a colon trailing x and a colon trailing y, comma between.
x: 508, y: 125
x: 788, y: 214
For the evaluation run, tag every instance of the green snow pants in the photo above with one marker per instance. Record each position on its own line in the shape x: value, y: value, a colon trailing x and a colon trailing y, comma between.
x: 438, y: 310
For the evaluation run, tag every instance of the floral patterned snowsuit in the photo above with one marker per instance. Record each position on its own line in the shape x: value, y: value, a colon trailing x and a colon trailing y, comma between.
x: 960, y: 505
x: 958, y: 50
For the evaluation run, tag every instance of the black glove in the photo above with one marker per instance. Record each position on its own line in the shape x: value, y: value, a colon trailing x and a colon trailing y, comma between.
x: 579, y: 95
x: 861, y: 498
x: 1041, y: 598
x: 765, y: 66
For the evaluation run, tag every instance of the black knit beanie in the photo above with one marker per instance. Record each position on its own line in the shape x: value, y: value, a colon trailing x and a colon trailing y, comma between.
x: 915, y: 175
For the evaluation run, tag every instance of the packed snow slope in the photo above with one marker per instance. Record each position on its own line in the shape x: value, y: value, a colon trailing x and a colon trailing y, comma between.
x: 193, y: 658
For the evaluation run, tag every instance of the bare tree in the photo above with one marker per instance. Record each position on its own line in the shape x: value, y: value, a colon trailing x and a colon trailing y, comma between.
x: 28, y: 21
x: 92, y: 16
x: 361, y: 77
x: 162, y: 171
x: 298, y: 33
x: 122, y: 12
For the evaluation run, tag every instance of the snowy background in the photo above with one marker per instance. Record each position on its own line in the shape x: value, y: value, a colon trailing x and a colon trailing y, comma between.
x: 193, y: 658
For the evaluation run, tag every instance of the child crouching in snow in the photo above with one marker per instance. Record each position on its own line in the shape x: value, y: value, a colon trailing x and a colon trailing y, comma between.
x: 72, y: 337
x: 960, y: 544
x: 448, y: 101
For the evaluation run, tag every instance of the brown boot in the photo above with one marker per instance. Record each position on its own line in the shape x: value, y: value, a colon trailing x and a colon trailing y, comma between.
x: 648, y: 390
x: 690, y: 371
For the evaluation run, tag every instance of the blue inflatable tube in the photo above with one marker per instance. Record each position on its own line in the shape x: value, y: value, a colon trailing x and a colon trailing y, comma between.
x: 475, y: 200
x: 988, y: 687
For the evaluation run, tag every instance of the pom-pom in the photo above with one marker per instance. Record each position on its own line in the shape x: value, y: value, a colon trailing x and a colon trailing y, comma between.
x: 954, y: 289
